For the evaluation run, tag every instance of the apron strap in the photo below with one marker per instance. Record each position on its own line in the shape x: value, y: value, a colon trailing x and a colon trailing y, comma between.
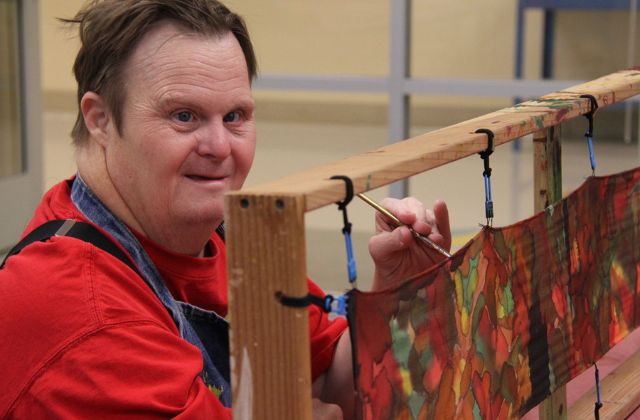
x: 74, y: 229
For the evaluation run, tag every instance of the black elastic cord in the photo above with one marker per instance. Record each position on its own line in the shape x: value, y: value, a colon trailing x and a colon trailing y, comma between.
x: 304, y: 301
x: 589, y: 115
x: 342, y: 205
x: 349, y: 194
x: 488, y: 151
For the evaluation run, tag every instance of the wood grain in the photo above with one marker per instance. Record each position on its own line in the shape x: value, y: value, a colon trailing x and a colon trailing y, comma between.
x: 547, y: 189
x: 270, y: 373
x: 620, y: 391
x: 391, y: 163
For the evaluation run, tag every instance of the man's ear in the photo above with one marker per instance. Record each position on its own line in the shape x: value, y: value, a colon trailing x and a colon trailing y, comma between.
x: 97, y: 117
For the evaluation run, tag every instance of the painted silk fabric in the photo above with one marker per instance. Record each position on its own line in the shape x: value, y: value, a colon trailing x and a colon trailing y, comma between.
x: 510, y: 317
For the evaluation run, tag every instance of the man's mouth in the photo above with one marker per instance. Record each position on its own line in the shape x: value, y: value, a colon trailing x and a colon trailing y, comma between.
x: 205, y: 178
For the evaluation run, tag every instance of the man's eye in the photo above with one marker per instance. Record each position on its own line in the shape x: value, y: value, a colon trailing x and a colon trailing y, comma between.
x: 184, y: 116
x: 231, y: 117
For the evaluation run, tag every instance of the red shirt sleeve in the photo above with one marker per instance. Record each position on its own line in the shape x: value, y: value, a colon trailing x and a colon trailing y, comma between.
x: 134, y: 369
x: 324, y: 335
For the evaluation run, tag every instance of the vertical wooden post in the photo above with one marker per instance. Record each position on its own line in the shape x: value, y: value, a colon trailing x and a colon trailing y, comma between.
x: 547, y: 173
x: 547, y: 188
x: 270, y: 357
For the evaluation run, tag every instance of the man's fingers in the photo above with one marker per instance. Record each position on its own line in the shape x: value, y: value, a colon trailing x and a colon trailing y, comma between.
x: 410, y: 211
x: 385, y: 244
x: 406, y: 210
x: 441, y: 214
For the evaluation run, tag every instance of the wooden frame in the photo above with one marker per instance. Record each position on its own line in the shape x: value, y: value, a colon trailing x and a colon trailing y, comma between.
x: 269, y: 342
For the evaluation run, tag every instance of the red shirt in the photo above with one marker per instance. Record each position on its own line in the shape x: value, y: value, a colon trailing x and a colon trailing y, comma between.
x: 82, y: 336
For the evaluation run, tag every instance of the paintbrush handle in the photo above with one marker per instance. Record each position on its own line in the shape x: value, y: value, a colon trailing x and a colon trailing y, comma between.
x: 398, y: 223
x: 381, y: 209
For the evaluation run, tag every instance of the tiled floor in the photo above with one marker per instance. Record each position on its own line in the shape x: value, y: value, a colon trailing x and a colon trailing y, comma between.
x: 286, y: 148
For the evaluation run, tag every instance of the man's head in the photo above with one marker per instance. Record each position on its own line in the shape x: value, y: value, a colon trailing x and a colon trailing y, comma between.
x: 171, y: 129
x: 111, y: 29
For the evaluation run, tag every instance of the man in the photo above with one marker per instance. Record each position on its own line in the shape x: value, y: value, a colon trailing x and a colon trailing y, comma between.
x: 165, y: 128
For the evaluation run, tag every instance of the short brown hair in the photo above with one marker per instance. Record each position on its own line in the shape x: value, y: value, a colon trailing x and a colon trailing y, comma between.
x: 111, y: 29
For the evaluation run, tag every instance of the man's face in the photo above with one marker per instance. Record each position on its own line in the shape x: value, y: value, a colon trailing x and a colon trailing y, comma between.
x: 187, y: 135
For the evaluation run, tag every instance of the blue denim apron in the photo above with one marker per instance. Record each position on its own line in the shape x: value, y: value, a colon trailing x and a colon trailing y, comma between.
x: 204, y: 329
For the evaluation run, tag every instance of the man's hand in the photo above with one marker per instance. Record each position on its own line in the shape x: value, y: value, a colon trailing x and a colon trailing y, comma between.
x: 395, y: 252
x: 397, y: 256
x: 325, y: 411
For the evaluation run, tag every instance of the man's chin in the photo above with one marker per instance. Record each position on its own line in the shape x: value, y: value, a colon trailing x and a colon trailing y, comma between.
x: 203, y: 217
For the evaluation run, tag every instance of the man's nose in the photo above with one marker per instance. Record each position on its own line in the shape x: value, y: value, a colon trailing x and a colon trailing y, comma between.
x: 215, y: 140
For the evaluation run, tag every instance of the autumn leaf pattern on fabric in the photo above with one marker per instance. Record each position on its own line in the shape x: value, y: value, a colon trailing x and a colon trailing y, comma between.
x: 513, y: 315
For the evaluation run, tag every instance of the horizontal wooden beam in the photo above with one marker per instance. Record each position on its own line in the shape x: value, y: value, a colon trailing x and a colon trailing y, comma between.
x: 398, y: 161
x: 619, y: 393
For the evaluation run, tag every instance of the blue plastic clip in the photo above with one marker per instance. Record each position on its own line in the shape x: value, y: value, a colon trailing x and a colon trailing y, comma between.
x: 351, y: 261
x: 592, y: 156
x: 336, y: 306
x: 598, y: 404
x: 488, y: 204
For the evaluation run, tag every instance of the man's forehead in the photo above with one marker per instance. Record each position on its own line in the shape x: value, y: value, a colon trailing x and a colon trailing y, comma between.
x: 169, y: 48
x: 171, y: 59
x: 165, y: 34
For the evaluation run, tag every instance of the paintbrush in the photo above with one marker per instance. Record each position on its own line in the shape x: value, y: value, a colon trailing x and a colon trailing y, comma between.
x: 398, y: 223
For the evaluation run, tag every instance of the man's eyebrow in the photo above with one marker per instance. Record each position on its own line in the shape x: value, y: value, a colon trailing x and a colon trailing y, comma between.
x: 179, y: 98
x: 247, y: 102
x: 169, y: 97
